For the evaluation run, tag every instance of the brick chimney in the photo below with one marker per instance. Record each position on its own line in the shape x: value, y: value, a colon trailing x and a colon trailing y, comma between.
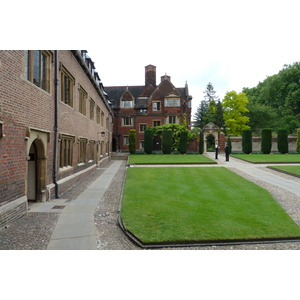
x: 150, y: 75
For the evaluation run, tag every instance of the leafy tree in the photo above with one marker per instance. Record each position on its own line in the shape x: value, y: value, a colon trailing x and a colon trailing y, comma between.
x: 201, y: 115
x: 280, y: 92
x: 132, y: 141
x: 261, y: 116
x: 201, y: 142
x: 234, y: 105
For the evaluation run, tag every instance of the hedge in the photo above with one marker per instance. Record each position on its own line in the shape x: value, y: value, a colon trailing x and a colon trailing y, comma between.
x: 201, y: 142
x: 298, y: 140
x: 148, y: 141
x: 266, y: 140
x: 167, y: 141
x: 247, y: 141
x: 183, y: 142
x: 282, y: 141
x: 132, y: 141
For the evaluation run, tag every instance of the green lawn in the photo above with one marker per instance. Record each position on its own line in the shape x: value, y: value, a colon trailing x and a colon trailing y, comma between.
x: 292, y: 170
x: 269, y: 158
x: 200, y: 204
x: 169, y: 159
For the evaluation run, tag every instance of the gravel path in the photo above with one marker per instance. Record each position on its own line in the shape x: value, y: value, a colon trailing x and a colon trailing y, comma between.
x: 34, y: 230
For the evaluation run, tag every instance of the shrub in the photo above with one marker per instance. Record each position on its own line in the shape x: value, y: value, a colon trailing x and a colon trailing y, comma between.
x: 298, y: 140
x: 132, y: 141
x: 183, y: 142
x: 148, y: 141
x: 266, y: 140
x: 229, y: 144
x: 247, y: 141
x: 282, y: 141
x: 201, y: 143
x: 167, y: 141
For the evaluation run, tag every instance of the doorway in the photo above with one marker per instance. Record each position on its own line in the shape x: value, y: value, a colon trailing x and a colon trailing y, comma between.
x: 32, y: 174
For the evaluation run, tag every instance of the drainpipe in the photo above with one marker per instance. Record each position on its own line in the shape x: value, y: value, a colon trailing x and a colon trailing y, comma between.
x: 55, y: 124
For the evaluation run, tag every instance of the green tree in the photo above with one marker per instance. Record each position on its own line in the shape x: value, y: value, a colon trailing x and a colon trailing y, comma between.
x: 266, y: 140
x: 298, y: 140
x: 167, y: 141
x: 201, y: 142
x: 247, y: 141
x: 210, y: 93
x: 219, y: 116
x: 183, y: 142
x: 234, y: 105
x: 282, y: 141
x: 261, y: 116
x: 132, y: 141
x: 148, y: 141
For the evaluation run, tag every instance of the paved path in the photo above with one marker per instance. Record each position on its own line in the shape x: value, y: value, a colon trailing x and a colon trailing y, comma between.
x: 259, y: 171
x: 75, y: 229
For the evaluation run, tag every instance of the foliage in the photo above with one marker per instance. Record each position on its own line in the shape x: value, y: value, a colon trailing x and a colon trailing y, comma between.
x: 176, y: 129
x: 201, y: 142
x: 183, y: 142
x: 148, y: 141
x: 266, y: 140
x: 281, y: 92
x: 234, y: 105
x: 282, y: 141
x: 132, y: 141
x: 247, y: 141
x: 261, y: 116
x: 208, y: 109
x: 298, y: 140
x: 167, y: 141
x: 229, y: 144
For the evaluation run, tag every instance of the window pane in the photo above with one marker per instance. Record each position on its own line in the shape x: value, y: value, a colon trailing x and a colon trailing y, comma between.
x: 36, y: 67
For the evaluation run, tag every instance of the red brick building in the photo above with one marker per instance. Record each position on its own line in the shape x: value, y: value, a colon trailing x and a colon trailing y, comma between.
x: 138, y: 107
x: 55, y: 125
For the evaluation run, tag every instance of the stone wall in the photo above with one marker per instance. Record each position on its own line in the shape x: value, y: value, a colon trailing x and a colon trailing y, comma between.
x: 236, y: 143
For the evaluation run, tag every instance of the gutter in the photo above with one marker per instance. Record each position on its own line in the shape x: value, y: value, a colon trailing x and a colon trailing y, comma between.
x: 55, y: 158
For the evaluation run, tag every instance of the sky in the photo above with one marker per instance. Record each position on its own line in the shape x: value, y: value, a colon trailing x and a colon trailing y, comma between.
x: 232, y: 44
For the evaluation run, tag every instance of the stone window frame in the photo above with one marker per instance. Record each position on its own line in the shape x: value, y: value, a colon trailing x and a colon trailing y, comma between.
x: 154, y: 107
x: 127, y: 121
x: 98, y: 114
x: 142, y: 127
x: 125, y: 140
x: 92, y: 109
x: 172, y: 102
x: 38, y: 61
x: 66, y: 86
x: 66, y: 150
x: 156, y: 121
x: 82, y: 143
x: 83, y: 95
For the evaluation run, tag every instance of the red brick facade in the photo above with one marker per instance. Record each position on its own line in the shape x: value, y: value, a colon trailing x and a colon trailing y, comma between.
x: 138, y: 107
x: 28, y: 140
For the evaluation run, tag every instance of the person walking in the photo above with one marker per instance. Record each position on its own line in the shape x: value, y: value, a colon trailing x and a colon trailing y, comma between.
x: 227, y: 151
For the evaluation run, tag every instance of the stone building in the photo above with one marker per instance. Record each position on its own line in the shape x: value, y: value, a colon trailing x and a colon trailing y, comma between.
x: 55, y: 125
x: 138, y: 107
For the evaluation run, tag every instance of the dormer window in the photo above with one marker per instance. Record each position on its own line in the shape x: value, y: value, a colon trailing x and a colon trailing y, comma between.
x: 127, y: 103
x: 172, y: 102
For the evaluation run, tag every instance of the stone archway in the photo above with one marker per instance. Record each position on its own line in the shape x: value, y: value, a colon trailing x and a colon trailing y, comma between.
x: 210, y: 129
x: 37, y: 165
